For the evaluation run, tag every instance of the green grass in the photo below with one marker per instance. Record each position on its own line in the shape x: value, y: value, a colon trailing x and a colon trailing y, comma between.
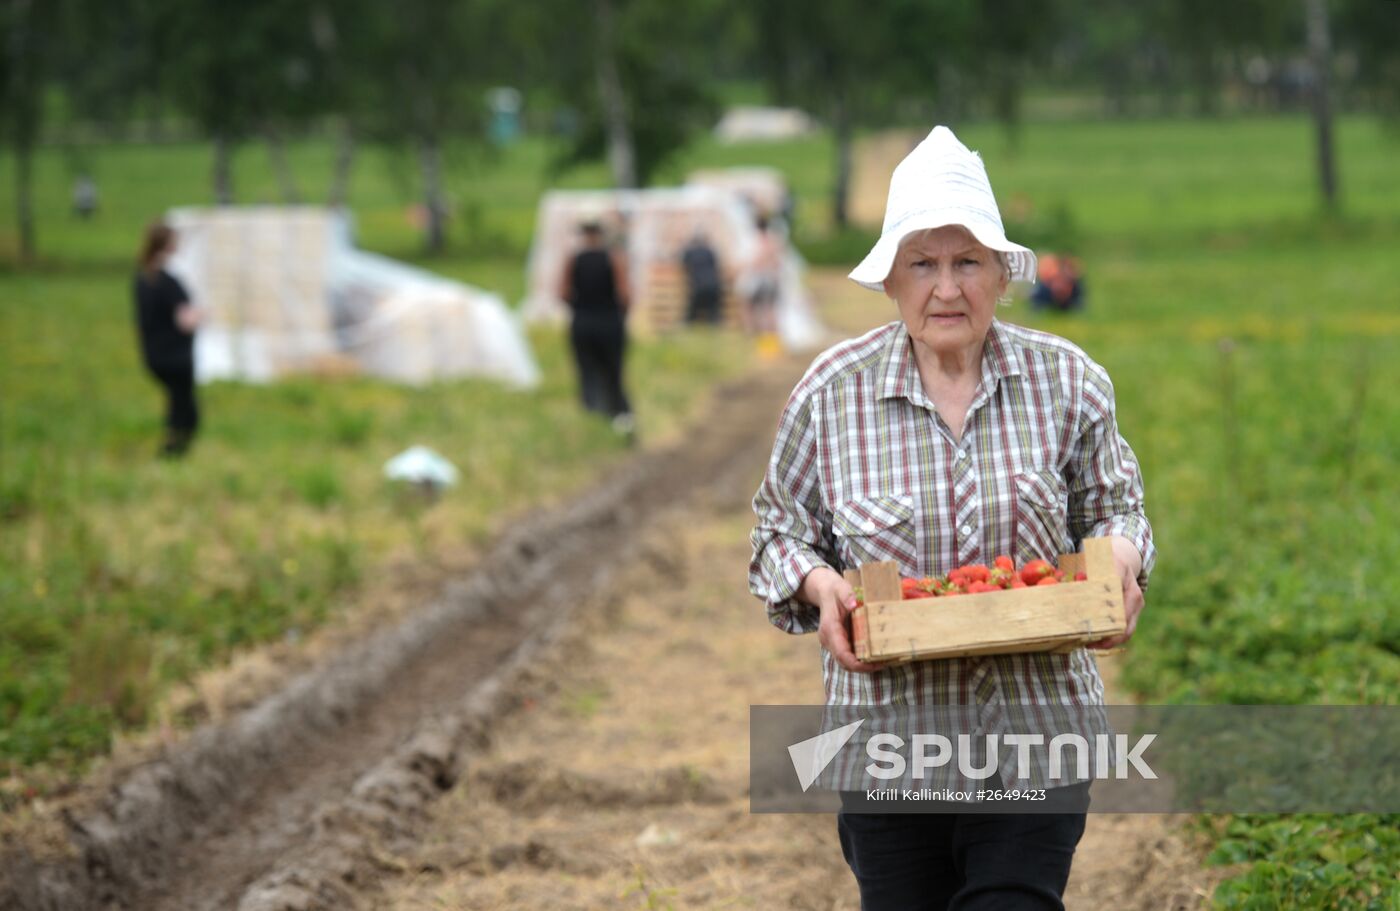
x: 1254, y: 345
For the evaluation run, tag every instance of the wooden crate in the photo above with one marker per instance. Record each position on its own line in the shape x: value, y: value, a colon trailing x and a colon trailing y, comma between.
x: 660, y: 305
x: 888, y: 629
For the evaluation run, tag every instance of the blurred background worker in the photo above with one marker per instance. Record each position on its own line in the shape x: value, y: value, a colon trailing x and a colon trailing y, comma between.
x: 594, y: 285
x: 1059, y: 285
x: 85, y: 196
x: 166, y: 321
x: 765, y: 271
x: 702, y: 278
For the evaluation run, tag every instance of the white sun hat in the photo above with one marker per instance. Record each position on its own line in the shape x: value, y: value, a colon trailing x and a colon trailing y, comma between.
x: 942, y: 182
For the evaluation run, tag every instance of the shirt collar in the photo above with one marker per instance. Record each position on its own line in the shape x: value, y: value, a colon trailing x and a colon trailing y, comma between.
x: 900, y: 376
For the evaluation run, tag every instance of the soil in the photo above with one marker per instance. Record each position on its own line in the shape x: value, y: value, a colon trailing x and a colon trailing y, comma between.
x: 623, y: 782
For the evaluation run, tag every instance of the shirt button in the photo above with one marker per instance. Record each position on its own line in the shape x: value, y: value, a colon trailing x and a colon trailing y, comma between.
x: 962, y: 453
x: 967, y: 529
x: 869, y: 526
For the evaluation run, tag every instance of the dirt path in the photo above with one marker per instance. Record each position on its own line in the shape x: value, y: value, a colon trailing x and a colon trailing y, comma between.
x: 1135, y: 861
x: 624, y: 783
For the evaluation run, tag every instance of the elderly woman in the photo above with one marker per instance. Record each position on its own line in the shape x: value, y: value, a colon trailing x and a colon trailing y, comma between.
x: 944, y: 438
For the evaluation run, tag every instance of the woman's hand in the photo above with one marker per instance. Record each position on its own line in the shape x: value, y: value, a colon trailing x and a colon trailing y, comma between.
x: 1129, y: 564
x: 828, y: 590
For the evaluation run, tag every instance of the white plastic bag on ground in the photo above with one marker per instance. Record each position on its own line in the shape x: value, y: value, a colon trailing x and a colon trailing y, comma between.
x: 421, y: 465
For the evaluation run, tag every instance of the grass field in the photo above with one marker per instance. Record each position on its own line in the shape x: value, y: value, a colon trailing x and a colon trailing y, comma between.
x: 1254, y: 345
x: 120, y: 575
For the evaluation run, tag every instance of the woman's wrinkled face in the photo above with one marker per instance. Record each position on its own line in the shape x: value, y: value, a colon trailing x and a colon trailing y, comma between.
x: 946, y: 285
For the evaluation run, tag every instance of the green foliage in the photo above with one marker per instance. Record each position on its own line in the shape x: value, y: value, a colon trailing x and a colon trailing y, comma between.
x: 1308, y: 862
x: 1249, y: 346
x: 351, y: 428
x: 318, y: 485
x: 656, y: 48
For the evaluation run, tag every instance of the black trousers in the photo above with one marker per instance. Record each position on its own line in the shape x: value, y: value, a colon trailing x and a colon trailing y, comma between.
x: 961, y: 862
x: 600, y: 345
x: 703, y: 306
x: 181, y: 409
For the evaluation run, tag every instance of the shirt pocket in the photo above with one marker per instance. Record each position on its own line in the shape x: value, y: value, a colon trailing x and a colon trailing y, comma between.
x: 872, y: 529
x: 1042, y: 515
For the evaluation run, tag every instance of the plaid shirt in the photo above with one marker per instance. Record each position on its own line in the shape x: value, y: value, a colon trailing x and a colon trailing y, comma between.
x: 864, y: 469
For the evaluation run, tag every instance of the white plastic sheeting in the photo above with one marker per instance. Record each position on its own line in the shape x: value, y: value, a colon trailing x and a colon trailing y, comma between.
x: 283, y: 291
x: 763, y: 188
x: 656, y: 225
x: 421, y: 465
x: 760, y: 124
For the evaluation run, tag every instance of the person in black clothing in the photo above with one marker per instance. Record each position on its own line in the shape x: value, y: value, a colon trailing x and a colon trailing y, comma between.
x: 702, y: 280
x: 165, y: 323
x: 594, y: 284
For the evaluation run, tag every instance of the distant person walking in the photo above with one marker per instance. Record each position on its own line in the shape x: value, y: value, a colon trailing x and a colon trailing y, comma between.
x: 594, y: 285
x: 85, y: 196
x: 702, y: 280
x: 764, y: 284
x: 166, y: 321
x: 765, y: 270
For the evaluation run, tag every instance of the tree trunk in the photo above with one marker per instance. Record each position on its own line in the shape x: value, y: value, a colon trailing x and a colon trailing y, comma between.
x: 1320, y: 53
x: 24, y: 197
x: 430, y: 159
x: 950, y: 97
x: 841, y: 131
x: 1116, y: 90
x: 344, y: 158
x: 24, y: 111
x: 223, y: 171
x: 1007, y: 99
x: 1207, y: 85
x: 622, y: 156
x: 277, y: 157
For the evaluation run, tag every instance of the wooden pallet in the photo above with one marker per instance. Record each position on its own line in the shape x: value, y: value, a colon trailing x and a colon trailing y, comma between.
x: 888, y: 629
x: 661, y: 303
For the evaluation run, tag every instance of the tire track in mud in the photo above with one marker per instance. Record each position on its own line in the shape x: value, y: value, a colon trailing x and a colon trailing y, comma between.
x: 283, y: 805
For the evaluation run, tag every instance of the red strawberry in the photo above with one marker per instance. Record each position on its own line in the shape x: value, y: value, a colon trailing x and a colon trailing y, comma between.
x: 1001, y: 578
x: 1081, y: 577
x: 1036, y: 570
x: 1049, y: 580
x: 1004, y: 562
x: 977, y: 588
x: 1018, y: 582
